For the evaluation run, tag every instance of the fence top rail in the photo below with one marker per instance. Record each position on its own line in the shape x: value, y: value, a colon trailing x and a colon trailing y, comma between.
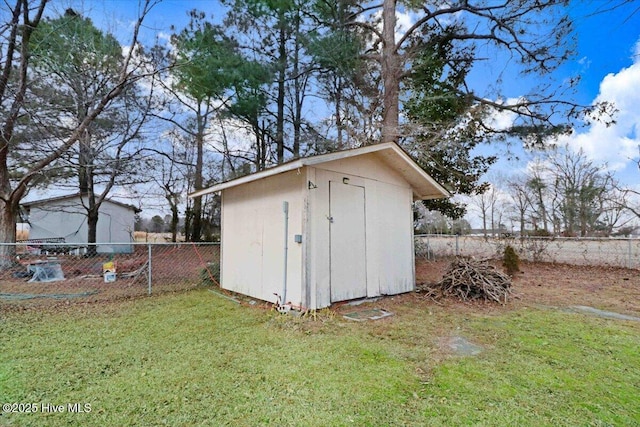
x: 577, y: 238
x: 43, y: 240
x: 35, y: 242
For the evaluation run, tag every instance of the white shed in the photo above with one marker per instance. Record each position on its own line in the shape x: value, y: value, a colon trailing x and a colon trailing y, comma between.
x: 323, y: 229
x: 65, y: 218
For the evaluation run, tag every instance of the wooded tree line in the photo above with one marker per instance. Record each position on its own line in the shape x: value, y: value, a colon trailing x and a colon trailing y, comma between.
x: 269, y: 81
x: 562, y: 193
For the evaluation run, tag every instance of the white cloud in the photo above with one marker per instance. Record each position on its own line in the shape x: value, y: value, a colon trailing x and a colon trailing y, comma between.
x: 617, y: 144
x: 504, y: 119
x: 164, y: 37
x: 404, y: 21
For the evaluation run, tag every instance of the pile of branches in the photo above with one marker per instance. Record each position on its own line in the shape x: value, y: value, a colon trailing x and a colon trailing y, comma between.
x: 469, y: 279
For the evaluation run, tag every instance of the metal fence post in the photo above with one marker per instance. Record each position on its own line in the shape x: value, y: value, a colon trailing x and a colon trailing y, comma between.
x: 630, y: 252
x: 149, y: 267
x: 457, y: 245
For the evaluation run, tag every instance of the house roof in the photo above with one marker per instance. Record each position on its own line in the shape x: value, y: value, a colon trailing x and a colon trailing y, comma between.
x: 424, y: 187
x: 48, y: 200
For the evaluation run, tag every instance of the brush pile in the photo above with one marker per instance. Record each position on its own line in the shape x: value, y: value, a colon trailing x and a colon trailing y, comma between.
x: 469, y: 279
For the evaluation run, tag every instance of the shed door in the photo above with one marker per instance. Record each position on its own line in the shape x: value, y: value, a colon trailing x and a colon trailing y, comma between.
x: 347, y: 241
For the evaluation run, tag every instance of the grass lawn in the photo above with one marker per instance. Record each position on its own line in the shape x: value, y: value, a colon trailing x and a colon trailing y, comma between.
x: 197, y: 359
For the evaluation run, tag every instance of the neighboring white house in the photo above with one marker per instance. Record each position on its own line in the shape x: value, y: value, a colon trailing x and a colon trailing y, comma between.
x: 65, y: 218
x: 323, y: 229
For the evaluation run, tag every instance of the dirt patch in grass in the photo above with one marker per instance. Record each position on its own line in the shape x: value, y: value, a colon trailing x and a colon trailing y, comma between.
x: 537, y: 285
x: 611, y: 288
x: 561, y: 285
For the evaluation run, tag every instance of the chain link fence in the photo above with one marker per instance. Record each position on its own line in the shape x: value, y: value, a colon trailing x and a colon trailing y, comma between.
x: 46, y: 272
x: 614, y: 252
x: 50, y: 272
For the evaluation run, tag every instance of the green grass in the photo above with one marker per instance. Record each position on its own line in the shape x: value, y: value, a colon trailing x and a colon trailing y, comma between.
x: 197, y: 359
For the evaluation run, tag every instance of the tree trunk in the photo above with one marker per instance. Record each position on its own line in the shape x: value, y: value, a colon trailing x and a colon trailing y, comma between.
x: 262, y: 140
x: 390, y: 63
x: 257, y: 161
x: 282, y: 69
x: 187, y: 222
x: 298, y: 90
x: 8, y: 216
x: 196, y: 231
x: 92, y: 229
x: 484, y: 225
x: 85, y: 157
x: 338, y: 113
x: 84, y: 161
x: 571, y: 214
x: 583, y: 219
x: 9, y: 209
x: 175, y: 217
x: 543, y: 210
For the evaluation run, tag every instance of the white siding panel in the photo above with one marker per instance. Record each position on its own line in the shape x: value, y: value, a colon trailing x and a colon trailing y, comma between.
x: 59, y: 220
x: 366, y: 166
x: 253, y: 237
x: 347, y: 226
x: 374, y: 231
x: 318, y: 239
x: 115, y: 225
x: 395, y: 238
x: 68, y: 219
x: 242, y: 242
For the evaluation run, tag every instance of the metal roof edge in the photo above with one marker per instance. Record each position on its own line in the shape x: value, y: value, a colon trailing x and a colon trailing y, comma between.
x: 73, y: 196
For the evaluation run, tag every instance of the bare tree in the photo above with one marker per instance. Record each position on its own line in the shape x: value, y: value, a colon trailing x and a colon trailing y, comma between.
x: 16, y: 33
x: 615, y: 209
x: 626, y: 199
x: 539, y: 188
x: 520, y: 195
x: 583, y: 186
x: 15, y: 180
x: 173, y: 168
x: 75, y: 65
x: 483, y: 203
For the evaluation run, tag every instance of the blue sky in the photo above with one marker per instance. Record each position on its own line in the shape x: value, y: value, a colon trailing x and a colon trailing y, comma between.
x: 607, y: 59
x: 608, y: 62
x: 606, y: 41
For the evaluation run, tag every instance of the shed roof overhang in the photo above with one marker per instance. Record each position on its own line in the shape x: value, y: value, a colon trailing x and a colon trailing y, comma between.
x: 423, y: 186
x: 48, y: 200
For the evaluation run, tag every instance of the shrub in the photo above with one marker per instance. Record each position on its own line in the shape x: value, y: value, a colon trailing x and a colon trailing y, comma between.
x: 211, y: 270
x: 422, y: 250
x: 510, y: 260
x: 539, y: 233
